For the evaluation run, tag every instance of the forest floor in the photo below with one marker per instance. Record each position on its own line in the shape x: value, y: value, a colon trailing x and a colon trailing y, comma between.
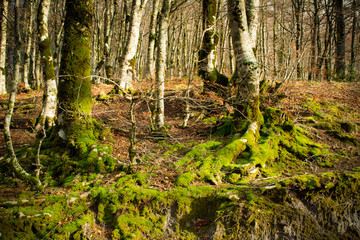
x: 337, y: 103
x: 300, y: 100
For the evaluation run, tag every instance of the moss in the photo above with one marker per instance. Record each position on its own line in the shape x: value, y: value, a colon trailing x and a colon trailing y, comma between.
x: 349, y: 139
x: 328, y: 125
x: 233, y: 178
x: 185, y: 179
x: 198, y: 151
x: 211, y: 120
x: 275, y: 117
x: 52, y: 217
x: 349, y: 127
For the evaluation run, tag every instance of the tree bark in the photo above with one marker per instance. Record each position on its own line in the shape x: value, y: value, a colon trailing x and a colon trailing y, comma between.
x: 314, y: 38
x: 340, y: 66
x: 353, y: 36
x: 12, y: 158
x: 150, y: 63
x: 298, y: 14
x: 207, y: 54
x: 3, y: 17
x: 128, y: 61
x: 74, y: 123
x: 46, y: 118
x: 30, y: 38
x: 161, y: 64
x: 246, y: 79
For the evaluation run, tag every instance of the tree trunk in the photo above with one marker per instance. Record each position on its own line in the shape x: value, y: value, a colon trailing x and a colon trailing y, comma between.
x: 12, y: 158
x: 298, y: 13
x: 74, y: 123
x: 207, y: 53
x: 27, y: 52
x: 246, y: 79
x: 340, y: 67
x: 161, y: 64
x: 314, y: 37
x: 353, y: 36
x: 3, y: 17
x: 46, y: 118
x: 150, y: 63
x: 128, y: 61
x: 328, y: 45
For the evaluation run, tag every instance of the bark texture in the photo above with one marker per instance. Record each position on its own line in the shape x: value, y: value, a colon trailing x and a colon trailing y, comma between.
x: 74, y: 123
x: 128, y: 61
x: 150, y: 65
x: 340, y: 66
x: 246, y: 79
x: 207, y: 54
x: 47, y: 116
x: 3, y: 26
x: 11, y: 157
x: 161, y: 64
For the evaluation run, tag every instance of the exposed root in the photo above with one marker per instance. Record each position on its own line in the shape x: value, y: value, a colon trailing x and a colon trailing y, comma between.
x: 252, y: 154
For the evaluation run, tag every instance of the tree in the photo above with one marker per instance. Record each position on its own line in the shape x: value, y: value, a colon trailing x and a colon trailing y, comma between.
x: 161, y: 64
x: 243, y: 20
x: 11, y: 157
x: 48, y: 112
x: 298, y: 6
x: 207, y: 54
x: 73, y: 118
x: 128, y: 61
x: 3, y: 27
x: 76, y: 133
x: 340, y: 66
x: 150, y: 63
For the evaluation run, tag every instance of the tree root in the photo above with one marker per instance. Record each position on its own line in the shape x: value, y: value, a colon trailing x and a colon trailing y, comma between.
x: 252, y: 154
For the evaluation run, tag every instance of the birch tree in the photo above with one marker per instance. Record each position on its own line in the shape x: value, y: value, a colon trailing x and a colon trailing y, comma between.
x: 150, y: 63
x: 243, y: 21
x: 128, y: 61
x: 3, y: 26
x: 11, y: 157
x: 46, y: 118
x: 161, y: 64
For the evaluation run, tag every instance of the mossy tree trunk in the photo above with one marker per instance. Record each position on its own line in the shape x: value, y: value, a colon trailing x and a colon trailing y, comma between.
x: 246, y: 79
x: 3, y: 26
x: 46, y: 118
x: 74, y: 123
x: 161, y: 64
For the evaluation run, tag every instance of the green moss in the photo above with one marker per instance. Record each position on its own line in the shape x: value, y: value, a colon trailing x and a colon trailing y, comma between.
x: 53, y: 217
x: 347, y: 138
x: 185, y: 179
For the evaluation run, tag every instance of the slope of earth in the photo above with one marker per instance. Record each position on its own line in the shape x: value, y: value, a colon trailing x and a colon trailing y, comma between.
x: 164, y: 196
